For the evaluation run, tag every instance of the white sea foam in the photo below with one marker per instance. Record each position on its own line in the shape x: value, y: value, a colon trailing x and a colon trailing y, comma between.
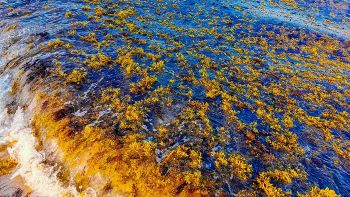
x: 4, y: 118
x: 41, y: 178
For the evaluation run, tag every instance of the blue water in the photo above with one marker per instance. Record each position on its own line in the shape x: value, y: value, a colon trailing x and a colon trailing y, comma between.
x: 46, y: 19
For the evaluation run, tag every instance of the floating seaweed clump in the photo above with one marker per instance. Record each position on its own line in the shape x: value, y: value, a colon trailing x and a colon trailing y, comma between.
x: 55, y: 44
x: 77, y: 76
x: 315, y: 191
x: 7, y: 166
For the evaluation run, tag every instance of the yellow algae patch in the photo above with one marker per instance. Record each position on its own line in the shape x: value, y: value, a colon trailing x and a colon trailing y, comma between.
x: 234, y: 164
x: 98, y: 61
x: 7, y: 165
x: 68, y: 14
x: 99, y: 11
x: 144, y: 84
x: 291, y: 3
x: 11, y: 27
x: 158, y: 66
x: 95, y: 2
x: 317, y: 192
x: 77, y: 76
x: 128, y: 64
x: 55, y: 44
x: 91, y: 37
x: 342, y: 150
x: 281, y: 176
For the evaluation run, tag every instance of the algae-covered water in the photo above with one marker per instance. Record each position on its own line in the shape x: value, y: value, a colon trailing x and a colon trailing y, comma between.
x: 175, y: 98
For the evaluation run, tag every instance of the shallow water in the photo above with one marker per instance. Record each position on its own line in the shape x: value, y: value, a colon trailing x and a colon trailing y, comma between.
x: 183, y: 97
